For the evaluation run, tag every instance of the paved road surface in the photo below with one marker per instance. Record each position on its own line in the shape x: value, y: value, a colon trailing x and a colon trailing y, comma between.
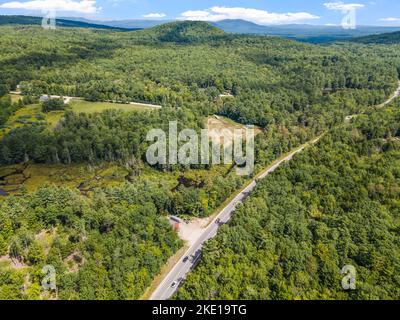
x: 166, y: 289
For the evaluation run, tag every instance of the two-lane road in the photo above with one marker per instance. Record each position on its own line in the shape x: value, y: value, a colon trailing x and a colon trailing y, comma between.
x: 171, y: 282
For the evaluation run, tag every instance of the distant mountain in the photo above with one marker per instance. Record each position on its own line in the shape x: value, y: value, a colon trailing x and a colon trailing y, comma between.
x: 28, y: 20
x: 304, y: 32
x: 126, y: 24
x: 384, y: 38
x: 240, y: 26
x: 187, y: 32
x: 301, y: 32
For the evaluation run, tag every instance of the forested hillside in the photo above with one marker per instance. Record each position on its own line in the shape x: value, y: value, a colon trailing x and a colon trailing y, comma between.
x: 109, y: 247
x: 278, y: 84
x: 336, y: 204
x: 385, y: 38
x: 107, y: 232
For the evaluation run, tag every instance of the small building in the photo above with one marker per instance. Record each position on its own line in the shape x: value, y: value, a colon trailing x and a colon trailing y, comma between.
x: 44, y: 98
x: 175, y: 223
x: 176, y: 219
x: 226, y: 95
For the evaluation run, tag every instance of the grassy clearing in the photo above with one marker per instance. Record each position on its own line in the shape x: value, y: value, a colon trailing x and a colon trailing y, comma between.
x: 15, y: 97
x: 4, y: 264
x: 221, y: 123
x: 92, y: 107
x: 8, y: 170
x: 32, y: 114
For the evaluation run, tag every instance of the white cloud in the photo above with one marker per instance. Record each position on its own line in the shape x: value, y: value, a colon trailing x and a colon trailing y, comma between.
x: 253, y: 15
x: 83, y: 6
x: 390, y: 19
x: 154, y: 15
x: 340, y: 6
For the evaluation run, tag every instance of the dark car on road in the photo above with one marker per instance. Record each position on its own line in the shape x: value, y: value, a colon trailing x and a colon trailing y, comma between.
x: 196, y: 257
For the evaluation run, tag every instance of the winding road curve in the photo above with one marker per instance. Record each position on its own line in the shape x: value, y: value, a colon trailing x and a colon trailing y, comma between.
x: 394, y: 96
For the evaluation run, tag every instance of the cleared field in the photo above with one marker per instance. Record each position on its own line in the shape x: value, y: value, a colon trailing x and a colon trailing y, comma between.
x: 218, y: 123
x: 15, y: 97
x: 32, y: 114
x: 92, y: 107
x: 24, y: 114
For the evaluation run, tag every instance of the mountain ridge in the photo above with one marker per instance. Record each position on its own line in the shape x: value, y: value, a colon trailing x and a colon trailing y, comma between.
x: 384, y: 38
x: 32, y: 20
x: 300, y: 32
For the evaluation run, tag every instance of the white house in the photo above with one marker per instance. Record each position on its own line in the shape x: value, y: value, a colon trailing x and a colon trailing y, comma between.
x: 44, y: 98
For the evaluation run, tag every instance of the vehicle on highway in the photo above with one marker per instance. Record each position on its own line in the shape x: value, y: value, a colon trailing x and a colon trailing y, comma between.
x: 246, y: 194
x: 185, y: 259
x: 195, y: 257
x: 174, y: 284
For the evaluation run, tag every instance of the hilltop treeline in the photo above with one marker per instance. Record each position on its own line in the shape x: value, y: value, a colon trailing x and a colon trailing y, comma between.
x: 285, y: 87
x: 384, y: 38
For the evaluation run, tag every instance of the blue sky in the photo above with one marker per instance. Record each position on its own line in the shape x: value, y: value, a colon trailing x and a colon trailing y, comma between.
x: 374, y: 12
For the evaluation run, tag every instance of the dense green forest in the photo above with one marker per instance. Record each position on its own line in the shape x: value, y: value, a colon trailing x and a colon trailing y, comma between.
x: 109, y: 247
x: 336, y: 204
x: 111, y: 242
x: 385, y: 38
x: 279, y: 85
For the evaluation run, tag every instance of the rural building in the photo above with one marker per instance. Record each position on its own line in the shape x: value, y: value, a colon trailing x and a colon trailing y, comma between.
x: 44, y: 98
